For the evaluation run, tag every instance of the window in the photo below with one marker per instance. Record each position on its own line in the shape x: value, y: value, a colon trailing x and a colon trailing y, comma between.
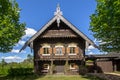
x: 59, y: 50
x: 46, y: 66
x: 46, y: 50
x: 72, y: 66
x: 72, y: 50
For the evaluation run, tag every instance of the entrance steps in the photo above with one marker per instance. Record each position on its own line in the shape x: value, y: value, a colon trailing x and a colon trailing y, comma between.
x: 59, y: 73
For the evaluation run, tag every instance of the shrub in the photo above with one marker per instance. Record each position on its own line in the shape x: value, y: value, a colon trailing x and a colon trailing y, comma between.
x: 20, y: 71
x: 83, y: 70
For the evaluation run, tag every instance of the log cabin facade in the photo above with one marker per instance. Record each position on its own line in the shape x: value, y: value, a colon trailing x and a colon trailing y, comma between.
x: 59, y: 47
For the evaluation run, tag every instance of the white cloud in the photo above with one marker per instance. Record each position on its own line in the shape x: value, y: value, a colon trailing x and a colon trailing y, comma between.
x: 15, y: 51
x: 91, y: 47
x: 21, y: 42
x: 91, y: 53
x: 29, y: 32
x: 12, y: 58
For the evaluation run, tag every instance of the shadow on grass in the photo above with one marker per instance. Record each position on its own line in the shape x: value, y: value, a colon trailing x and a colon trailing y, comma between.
x: 92, y: 77
x: 107, y: 76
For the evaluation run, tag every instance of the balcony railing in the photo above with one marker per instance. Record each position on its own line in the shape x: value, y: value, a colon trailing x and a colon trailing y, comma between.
x: 60, y: 56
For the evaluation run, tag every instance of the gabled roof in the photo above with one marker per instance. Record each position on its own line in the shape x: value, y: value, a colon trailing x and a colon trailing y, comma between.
x: 58, y: 17
x: 115, y: 55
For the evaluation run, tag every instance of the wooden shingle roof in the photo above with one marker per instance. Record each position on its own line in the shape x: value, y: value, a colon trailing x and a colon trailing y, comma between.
x: 114, y: 55
x: 58, y: 17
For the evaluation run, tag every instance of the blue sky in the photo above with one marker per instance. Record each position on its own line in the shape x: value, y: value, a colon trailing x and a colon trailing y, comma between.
x: 36, y: 13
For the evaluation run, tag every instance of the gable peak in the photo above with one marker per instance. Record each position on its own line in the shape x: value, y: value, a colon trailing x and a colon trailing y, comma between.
x: 58, y: 11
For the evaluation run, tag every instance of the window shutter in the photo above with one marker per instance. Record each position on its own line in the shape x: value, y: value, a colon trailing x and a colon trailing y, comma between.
x: 54, y: 50
x: 76, y: 50
x: 63, y: 50
x: 41, y: 50
x: 50, y: 50
x: 68, y: 50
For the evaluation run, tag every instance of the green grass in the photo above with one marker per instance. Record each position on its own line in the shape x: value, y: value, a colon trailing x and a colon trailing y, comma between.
x: 5, y: 74
x: 49, y: 77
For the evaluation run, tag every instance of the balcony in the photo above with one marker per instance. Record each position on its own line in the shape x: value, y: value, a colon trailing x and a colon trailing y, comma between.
x: 60, y: 56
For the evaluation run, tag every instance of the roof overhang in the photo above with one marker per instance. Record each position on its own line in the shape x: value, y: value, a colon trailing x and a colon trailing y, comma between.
x: 55, y: 18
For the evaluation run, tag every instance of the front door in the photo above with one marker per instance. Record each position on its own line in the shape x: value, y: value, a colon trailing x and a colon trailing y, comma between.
x: 59, y: 67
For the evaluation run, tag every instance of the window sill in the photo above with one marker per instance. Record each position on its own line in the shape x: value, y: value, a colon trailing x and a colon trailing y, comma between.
x: 72, y: 68
x: 45, y: 54
x: 72, y: 54
x: 59, y: 54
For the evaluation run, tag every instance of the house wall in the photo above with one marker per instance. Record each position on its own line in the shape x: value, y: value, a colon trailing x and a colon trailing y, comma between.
x: 77, y: 50
x: 64, y: 42
x: 59, y: 67
x: 104, y: 66
x: 117, y: 65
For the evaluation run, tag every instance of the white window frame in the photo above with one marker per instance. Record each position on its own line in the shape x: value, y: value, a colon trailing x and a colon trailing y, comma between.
x: 59, y: 46
x: 72, y: 45
x: 46, y: 46
x: 71, y: 66
x: 47, y: 66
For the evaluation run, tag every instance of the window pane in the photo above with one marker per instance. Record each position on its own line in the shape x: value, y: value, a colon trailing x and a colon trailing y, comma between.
x: 46, y: 50
x: 58, y: 50
x: 72, y: 49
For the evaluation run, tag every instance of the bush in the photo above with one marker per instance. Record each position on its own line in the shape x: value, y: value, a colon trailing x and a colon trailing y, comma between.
x: 20, y: 71
x: 4, y: 70
x: 83, y: 70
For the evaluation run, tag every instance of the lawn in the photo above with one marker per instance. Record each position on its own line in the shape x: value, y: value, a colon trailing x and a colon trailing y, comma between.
x: 23, y: 71
x: 49, y: 77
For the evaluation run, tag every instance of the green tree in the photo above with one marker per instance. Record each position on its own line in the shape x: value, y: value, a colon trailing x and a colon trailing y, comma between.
x: 105, y: 24
x: 29, y: 58
x: 11, y: 30
x: 3, y: 63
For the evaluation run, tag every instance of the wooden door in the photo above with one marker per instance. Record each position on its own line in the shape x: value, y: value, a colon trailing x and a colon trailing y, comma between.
x: 59, y: 69
x: 59, y: 66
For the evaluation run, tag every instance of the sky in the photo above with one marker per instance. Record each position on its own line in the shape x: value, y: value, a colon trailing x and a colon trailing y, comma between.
x: 36, y: 13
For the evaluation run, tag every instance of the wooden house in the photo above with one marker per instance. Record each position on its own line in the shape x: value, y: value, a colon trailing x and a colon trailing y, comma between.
x: 100, y: 62
x: 59, y: 47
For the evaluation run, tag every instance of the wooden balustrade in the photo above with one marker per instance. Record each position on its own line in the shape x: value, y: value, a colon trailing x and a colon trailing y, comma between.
x: 60, y: 56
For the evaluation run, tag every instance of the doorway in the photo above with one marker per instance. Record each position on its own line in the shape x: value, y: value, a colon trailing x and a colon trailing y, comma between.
x: 59, y: 67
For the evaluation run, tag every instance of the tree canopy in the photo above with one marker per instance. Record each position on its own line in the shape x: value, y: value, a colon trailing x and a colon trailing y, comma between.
x: 11, y: 30
x: 105, y: 24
